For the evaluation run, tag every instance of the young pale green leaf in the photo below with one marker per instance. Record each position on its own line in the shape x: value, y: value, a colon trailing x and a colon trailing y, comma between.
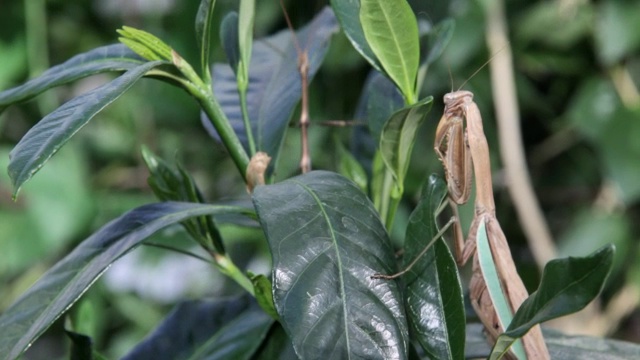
x: 44, y: 139
x: 350, y: 168
x: 115, y: 57
x: 326, y: 240
x: 567, y: 286
x: 391, y: 30
x: 348, y: 14
x: 262, y: 291
x: 61, y: 286
x: 245, y: 37
x: 229, y: 40
x: 199, y: 329
x: 145, y: 44
x: 204, y: 19
x: 399, y: 135
x: 433, y: 294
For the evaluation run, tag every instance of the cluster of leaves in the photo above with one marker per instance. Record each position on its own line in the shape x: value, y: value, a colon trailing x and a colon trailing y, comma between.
x: 326, y: 235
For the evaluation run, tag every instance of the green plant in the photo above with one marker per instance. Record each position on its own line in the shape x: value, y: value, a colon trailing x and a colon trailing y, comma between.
x: 325, y: 234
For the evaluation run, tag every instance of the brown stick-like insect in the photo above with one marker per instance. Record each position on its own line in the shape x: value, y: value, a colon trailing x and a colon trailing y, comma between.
x: 456, y: 159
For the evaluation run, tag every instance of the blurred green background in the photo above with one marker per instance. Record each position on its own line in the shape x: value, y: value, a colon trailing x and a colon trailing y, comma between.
x: 577, y: 71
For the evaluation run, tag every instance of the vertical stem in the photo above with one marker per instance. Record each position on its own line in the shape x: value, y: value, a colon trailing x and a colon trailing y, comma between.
x: 37, y: 48
x: 246, y: 121
x: 305, y: 158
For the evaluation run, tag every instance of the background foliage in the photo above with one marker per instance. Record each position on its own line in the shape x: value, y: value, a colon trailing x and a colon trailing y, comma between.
x: 577, y: 73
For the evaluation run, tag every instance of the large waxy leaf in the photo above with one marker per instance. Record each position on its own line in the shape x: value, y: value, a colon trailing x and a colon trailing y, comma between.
x: 327, y: 240
x: 391, y: 29
x: 433, y: 294
x: 567, y: 286
x: 116, y: 57
x: 55, y: 129
x: 399, y: 135
x: 274, y: 83
x: 223, y: 329
x: 348, y: 14
x: 64, y: 283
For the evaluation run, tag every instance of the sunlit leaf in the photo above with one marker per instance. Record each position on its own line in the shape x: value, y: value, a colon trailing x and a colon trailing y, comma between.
x: 348, y: 14
x: 391, y: 29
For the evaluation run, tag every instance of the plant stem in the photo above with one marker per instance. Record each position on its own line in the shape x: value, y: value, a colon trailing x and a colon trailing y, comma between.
x: 245, y: 119
x: 227, y: 267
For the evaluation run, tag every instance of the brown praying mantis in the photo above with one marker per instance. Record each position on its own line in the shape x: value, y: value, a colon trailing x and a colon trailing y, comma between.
x: 465, y: 152
x: 462, y: 149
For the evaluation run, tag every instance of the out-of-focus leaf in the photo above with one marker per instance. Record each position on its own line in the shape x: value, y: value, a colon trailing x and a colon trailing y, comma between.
x: 561, y: 346
x: 204, y: 19
x: 229, y: 39
x: 327, y: 240
x: 202, y: 329
x: 391, y: 29
x: 433, y: 294
x: 399, y: 135
x: 436, y: 41
x: 54, y: 130
x: 245, y: 39
x: 567, y: 286
x: 348, y: 14
x: 81, y: 346
x: 555, y: 24
x: 380, y: 98
x: 116, y: 57
x: 63, y: 284
x: 617, y: 32
x: 274, y: 83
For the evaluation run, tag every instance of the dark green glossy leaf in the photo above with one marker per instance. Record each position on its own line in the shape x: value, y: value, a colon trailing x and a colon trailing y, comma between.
x: 229, y: 39
x: 348, y: 14
x: 433, y: 294
x: 391, y: 29
x: 327, y: 240
x: 204, y: 19
x: 277, y: 346
x: 54, y: 130
x: 63, y: 284
x: 202, y: 329
x: 116, y: 57
x: 274, y: 86
x: 399, y: 135
x: 567, y: 286
x: 380, y: 100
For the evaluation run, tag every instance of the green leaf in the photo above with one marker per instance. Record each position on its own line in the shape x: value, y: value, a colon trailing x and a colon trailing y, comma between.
x: 107, y: 58
x: 245, y: 37
x: 436, y: 41
x: 145, y: 44
x: 433, y: 294
x: 348, y: 14
x: 567, y: 286
x: 350, y: 168
x: 494, y: 285
x: 204, y: 19
x: 262, y: 291
x: 327, y: 241
x: 391, y: 30
x: 229, y: 40
x: 380, y: 100
x: 277, y: 346
x: 54, y: 130
x: 274, y: 87
x: 617, y: 32
x: 399, y: 135
x: 202, y: 329
x: 81, y: 346
x: 63, y: 284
